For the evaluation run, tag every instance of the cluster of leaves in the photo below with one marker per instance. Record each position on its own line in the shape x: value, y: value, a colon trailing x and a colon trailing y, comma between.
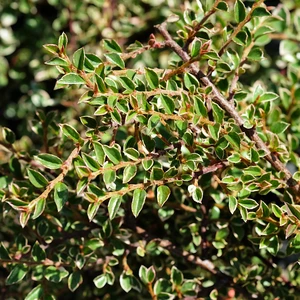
x: 172, y: 182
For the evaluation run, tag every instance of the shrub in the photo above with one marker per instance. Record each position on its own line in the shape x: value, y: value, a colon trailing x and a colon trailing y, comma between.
x: 167, y: 181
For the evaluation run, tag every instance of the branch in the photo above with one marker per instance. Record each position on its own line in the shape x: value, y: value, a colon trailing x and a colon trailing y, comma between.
x: 199, y: 25
x: 230, y: 109
x: 65, y: 169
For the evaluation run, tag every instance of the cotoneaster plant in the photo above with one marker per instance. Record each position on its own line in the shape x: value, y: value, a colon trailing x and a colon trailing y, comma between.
x: 174, y: 181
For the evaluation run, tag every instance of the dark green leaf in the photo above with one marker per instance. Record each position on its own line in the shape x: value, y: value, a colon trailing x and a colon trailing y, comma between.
x: 49, y: 161
x: 279, y: 127
x: 176, y: 276
x: 115, y: 59
x: 112, y: 46
x: 100, y: 83
x: 113, y: 206
x: 163, y: 193
x: 113, y: 154
x: 36, y: 293
x: 8, y: 135
x: 70, y: 132
x: 60, y: 195
x: 100, y: 281
x: 152, y: 78
x: 56, y: 274
x: 71, y: 78
x: 90, y: 162
x: 36, y: 178
x: 78, y: 58
x: 17, y: 274
x: 74, y: 281
x: 168, y: 104
x: 127, y: 83
x: 129, y: 172
x: 138, y: 201
x: 239, y: 11
x: 248, y: 203
x: 39, y: 208
x: 38, y: 254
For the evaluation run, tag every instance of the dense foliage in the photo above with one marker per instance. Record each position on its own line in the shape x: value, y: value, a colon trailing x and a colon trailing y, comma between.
x: 160, y: 169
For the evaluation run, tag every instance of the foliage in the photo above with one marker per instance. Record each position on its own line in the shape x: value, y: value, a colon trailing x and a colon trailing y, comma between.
x: 167, y: 174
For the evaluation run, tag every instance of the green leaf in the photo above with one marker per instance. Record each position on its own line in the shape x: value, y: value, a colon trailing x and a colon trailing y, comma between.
x: 197, y: 194
x: 70, y: 132
x: 195, y: 47
x: 88, y: 122
x: 163, y: 193
x: 239, y: 11
x: 222, y: 6
x: 60, y: 195
x: 74, y: 281
x: 150, y: 274
x: 218, y: 113
x: 24, y: 217
x: 52, y: 48
x: 114, y: 205
x: 253, y: 170
x: 232, y: 204
x: 62, y: 41
x: 100, y: 281
x: 17, y: 274
x: 279, y: 127
x: 3, y: 252
x: 36, y: 178
x: 240, y: 39
x: 293, y: 210
x: 39, y: 208
x: 190, y: 81
x: 112, y: 46
x: 234, y: 140
x: 113, y: 154
x: 100, y: 155
x: 156, y: 174
x: 8, y: 135
x: 127, y: 83
x: 38, y: 254
x: 138, y: 201
x: 176, y: 276
x: 147, y: 164
x: 132, y: 153
x: 55, y: 274
x: 248, y: 203
x: 129, y: 172
x: 126, y: 282
x: 260, y: 12
x: 152, y: 78
x: 256, y: 54
x: 168, y: 104
x: 57, y: 61
x: 199, y: 107
x: 71, y: 78
x: 100, y: 83
x: 109, y: 176
x: 92, y: 210
x: 115, y: 59
x: 90, y: 162
x: 78, y: 58
x: 49, y: 161
x: 35, y: 293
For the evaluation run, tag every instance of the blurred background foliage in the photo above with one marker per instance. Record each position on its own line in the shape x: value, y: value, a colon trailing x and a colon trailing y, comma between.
x: 26, y: 84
